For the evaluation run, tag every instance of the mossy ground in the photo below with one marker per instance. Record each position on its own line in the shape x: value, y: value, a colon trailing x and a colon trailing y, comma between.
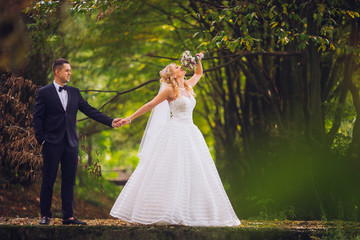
x: 29, y: 228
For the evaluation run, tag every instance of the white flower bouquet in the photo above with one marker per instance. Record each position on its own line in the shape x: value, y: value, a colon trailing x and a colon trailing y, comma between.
x: 188, y: 62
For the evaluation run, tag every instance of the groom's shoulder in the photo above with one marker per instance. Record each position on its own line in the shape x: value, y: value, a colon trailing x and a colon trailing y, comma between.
x: 73, y: 89
x: 44, y: 88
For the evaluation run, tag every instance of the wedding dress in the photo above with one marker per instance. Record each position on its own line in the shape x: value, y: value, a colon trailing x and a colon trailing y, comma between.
x: 176, y: 181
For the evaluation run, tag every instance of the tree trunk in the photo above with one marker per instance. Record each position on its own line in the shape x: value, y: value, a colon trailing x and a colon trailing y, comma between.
x: 317, y: 130
x: 348, y: 74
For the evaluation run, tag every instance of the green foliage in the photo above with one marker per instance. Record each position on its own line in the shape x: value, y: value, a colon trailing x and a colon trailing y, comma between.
x: 94, y: 189
x: 341, y: 233
x: 269, y: 212
x: 239, y: 26
x: 42, y: 21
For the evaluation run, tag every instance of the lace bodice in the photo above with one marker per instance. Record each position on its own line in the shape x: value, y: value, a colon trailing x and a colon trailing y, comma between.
x: 182, y: 108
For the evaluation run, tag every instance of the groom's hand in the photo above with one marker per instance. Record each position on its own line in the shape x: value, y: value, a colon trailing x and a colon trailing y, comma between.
x: 116, y: 122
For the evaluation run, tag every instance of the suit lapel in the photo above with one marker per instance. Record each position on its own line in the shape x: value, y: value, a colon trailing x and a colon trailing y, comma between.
x: 69, y: 97
x: 56, y: 95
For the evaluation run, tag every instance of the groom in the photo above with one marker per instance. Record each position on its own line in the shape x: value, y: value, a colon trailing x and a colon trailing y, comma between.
x: 54, y: 122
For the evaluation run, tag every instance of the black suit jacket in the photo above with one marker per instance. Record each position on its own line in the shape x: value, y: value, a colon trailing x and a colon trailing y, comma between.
x: 50, y: 120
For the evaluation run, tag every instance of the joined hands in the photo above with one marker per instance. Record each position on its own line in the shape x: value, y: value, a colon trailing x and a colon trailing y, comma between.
x: 118, y: 122
x: 125, y: 121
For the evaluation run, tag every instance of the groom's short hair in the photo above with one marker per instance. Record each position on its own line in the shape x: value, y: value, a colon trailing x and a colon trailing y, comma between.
x: 58, y: 63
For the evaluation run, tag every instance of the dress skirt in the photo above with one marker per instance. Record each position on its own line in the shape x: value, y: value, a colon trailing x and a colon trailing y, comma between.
x: 176, y: 183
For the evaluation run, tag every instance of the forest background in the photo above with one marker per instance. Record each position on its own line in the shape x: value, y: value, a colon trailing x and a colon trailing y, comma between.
x: 278, y: 105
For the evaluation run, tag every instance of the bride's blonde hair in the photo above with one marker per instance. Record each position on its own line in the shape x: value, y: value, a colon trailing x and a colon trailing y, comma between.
x: 167, y: 76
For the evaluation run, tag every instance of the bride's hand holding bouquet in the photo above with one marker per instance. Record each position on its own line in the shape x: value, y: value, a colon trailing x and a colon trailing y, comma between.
x: 188, y: 62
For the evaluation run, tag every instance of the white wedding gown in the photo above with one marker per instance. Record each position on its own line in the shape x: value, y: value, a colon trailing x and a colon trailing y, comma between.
x: 176, y: 181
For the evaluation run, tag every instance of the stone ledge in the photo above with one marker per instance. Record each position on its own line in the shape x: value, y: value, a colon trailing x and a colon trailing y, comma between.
x: 32, y: 232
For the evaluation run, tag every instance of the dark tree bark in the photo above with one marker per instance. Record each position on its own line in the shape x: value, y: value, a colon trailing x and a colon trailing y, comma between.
x: 316, y: 121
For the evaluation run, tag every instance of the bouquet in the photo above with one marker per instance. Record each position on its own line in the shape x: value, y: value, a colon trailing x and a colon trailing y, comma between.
x: 188, y: 62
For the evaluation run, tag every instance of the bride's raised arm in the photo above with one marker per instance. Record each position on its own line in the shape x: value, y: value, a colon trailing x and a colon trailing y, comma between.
x: 166, y: 94
x: 197, y: 73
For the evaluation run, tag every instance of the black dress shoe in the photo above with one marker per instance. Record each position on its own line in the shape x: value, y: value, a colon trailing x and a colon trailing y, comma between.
x: 73, y: 221
x: 45, y: 221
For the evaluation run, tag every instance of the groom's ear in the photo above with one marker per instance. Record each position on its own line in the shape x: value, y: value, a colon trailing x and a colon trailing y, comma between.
x: 56, y: 71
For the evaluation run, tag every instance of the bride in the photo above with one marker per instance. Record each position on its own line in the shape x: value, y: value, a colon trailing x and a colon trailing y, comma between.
x: 176, y: 181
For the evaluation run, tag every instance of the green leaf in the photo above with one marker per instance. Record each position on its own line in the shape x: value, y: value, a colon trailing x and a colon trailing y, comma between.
x: 274, y: 24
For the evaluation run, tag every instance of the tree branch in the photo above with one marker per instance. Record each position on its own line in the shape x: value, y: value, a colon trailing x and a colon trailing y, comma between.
x: 141, y: 85
x: 168, y: 14
x: 237, y: 57
x: 222, y: 65
x: 117, y: 94
x: 240, y: 54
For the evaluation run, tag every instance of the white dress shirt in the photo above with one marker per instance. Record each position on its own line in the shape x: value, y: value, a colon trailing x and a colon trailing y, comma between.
x: 63, y: 95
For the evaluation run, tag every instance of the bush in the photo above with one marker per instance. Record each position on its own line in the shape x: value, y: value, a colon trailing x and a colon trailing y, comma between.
x: 20, y: 157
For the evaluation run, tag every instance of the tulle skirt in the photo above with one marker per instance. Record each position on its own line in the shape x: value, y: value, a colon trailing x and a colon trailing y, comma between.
x: 176, y: 183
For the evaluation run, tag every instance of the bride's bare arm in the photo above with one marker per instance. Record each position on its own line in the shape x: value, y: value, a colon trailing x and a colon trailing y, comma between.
x: 166, y: 94
x: 197, y: 74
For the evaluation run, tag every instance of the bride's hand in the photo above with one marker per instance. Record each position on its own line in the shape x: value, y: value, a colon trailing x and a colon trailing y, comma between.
x: 200, y: 55
x: 125, y: 121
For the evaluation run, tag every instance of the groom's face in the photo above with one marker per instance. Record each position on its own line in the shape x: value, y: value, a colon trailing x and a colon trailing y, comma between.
x: 64, y: 73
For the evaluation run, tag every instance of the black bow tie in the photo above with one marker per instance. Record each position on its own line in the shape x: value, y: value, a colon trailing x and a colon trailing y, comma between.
x: 63, y: 88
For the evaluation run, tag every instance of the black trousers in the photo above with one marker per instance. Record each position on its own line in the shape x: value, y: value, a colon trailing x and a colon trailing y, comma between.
x: 53, y: 154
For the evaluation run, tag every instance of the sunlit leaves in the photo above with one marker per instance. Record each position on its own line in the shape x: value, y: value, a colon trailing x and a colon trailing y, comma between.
x: 353, y: 14
x: 274, y: 24
x: 101, y: 8
x: 287, y: 23
x: 168, y: 27
x: 40, y: 8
